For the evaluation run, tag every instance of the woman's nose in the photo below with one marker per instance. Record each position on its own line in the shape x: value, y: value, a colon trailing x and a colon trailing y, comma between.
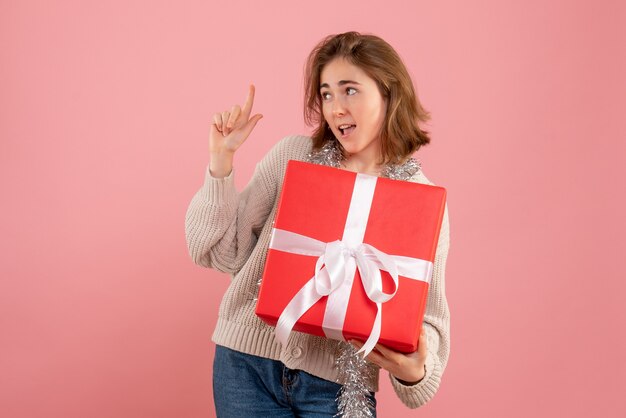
x: 338, y: 108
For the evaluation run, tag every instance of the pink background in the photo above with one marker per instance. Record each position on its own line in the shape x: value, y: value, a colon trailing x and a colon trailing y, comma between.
x: 104, y: 110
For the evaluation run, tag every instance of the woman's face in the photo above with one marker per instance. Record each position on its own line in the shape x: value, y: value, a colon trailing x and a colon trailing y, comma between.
x: 353, y: 108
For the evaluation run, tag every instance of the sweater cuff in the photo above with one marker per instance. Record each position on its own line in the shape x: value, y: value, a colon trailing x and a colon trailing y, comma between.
x: 219, y: 190
x: 418, y: 394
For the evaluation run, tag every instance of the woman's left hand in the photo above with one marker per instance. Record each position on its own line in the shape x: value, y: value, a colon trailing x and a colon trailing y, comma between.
x: 406, y: 367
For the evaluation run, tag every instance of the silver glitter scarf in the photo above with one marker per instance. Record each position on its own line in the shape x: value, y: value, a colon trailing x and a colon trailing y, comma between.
x: 330, y: 155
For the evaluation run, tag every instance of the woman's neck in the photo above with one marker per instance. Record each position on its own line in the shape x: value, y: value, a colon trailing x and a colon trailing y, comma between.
x: 370, y: 167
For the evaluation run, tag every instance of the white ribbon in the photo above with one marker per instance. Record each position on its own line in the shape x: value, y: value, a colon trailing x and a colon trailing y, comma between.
x: 337, y: 262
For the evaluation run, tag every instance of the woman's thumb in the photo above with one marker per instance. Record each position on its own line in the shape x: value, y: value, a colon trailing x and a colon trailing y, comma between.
x: 249, y: 126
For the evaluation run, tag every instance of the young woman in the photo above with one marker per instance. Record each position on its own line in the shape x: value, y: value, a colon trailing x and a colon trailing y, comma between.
x: 361, y: 101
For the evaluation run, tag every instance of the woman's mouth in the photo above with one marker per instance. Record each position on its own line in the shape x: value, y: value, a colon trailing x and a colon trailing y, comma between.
x: 346, y: 129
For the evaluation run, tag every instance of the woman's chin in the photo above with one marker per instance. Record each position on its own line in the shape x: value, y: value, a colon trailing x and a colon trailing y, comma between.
x: 349, y: 147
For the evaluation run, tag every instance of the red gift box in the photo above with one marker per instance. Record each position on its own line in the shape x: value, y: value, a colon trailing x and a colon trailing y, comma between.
x: 351, y: 256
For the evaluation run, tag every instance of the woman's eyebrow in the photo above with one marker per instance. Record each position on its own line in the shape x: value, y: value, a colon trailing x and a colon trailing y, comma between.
x: 340, y: 83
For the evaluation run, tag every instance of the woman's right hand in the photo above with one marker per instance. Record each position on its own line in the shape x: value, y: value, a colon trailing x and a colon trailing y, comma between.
x: 229, y: 130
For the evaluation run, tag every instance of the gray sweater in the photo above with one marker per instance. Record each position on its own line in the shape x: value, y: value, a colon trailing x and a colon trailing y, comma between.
x: 230, y: 232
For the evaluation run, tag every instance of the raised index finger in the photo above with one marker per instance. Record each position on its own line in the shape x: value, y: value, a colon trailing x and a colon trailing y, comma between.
x: 247, y: 107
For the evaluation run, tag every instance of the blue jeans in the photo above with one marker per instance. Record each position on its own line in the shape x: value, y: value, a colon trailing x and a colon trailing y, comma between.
x: 250, y: 386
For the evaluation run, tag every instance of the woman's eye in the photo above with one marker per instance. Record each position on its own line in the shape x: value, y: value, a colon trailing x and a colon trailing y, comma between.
x: 351, y: 91
x: 325, y: 95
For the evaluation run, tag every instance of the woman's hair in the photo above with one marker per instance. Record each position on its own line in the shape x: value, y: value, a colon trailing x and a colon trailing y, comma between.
x: 400, y: 134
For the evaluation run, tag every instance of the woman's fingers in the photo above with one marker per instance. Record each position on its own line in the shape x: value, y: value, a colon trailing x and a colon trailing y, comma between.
x: 215, y: 131
x: 373, y: 356
x: 247, y: 107
x: 389, y: 354
x: 230, y: 128
x: 380, y: 351
x: 407, y: 367
x: 217, y: 121
x: 234, y: 115
x: 422, y: 347
x: 225, y: 116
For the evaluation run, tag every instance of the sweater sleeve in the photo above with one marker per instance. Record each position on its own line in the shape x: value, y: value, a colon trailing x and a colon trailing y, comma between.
x: 437, y: 327
x: 222, y: 225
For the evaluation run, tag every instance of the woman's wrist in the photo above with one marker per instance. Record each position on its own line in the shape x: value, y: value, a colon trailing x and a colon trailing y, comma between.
x: 221, y: 165
x: 405, y: 383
